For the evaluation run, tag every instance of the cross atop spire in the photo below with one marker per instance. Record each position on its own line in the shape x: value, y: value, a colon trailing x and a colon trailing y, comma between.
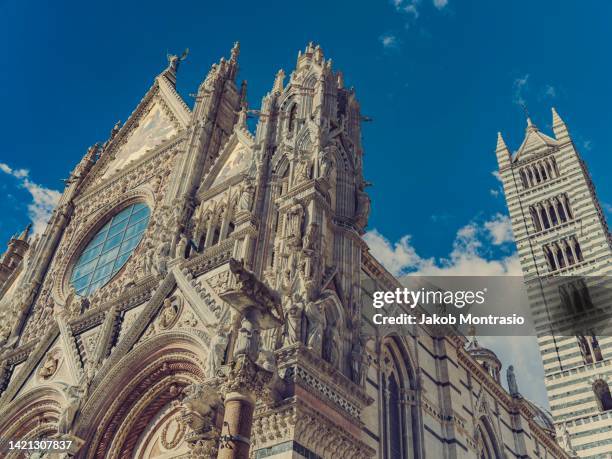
x: 530, y: 125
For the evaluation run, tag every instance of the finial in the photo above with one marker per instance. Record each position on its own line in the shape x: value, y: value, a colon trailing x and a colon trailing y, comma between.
x: 501, y: 144
x: 340, y: 79
x: 174, y: 60
x: 559, y: 127
x: 556, y: 118
x: 26, y: 232
x: 243, y: 93
x: 530, y: 125
x: 472, y: 334
x: 235, y: 51
x: 278, y: 81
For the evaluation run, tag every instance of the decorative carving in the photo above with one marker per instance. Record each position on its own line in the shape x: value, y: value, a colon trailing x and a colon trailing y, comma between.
x: 248, y: 339
x: 325, y: 163
x: 170, y: 312
x: 294, y: 321
x: 247, y: 194
x: 75, y: 396
x: 49, y: 366
x: 218, y: 349
x: 314, y: 336
x: 362, y: 211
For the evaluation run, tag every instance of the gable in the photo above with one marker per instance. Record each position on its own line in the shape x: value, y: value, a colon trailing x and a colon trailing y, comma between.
x: 238, y: 161
x: 534, y: 142
x: 154, y: 127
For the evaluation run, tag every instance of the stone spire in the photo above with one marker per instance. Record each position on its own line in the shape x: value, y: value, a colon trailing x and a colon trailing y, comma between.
x: 559, y: 126
x: 278, y: 82
x: 502, y: 152
x: 25, y: 233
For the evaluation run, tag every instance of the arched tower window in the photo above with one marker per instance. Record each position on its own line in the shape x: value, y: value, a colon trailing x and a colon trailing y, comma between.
x: 602, y: 392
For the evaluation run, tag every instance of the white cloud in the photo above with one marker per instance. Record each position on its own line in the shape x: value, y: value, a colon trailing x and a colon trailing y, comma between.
x: 587, y: 145
x: 43, y: 201
x: 411, y: 9
x: 389, y: 41
x: 500, y: 229
x: 17, y: 173
x: 550, y: 91
x: 497, y: 176
x: 494, y: 192
x: 440, y: 4
x: 520, y: 85
x: 467, y: 257
x: 397, y: 257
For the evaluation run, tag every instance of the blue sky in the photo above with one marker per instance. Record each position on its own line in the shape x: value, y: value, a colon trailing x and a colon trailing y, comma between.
x: 439, y: 78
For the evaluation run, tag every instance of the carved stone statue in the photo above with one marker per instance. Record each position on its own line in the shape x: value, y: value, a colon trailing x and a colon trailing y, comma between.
x: 295, y: 216
x: 325, y: 163
x: 74, y: 396
x: 174, y: 60
x: 331, y: 345
x: 115, y: 129
x: 247, y: 341
x: 357, y: 362
x: 294, y: 321
x: 160, y: 257
x: 512, y: 385
x: 218, y: 347
x: 302, y: 171
x: 311, y: 241
x: 247, y: 193
x: 49, y: 367
x: 566, y: 442
x: 181, y: 247
x: 314, y: 337
x: 148, y: 259
x: 169, y: 313
x: 363, y: 207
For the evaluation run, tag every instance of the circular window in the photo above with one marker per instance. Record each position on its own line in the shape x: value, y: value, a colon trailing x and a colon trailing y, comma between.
x: 109, y: 249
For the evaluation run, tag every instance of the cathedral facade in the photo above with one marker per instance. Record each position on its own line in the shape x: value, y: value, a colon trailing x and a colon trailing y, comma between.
x: 565, y: 249
x: 199, y: 289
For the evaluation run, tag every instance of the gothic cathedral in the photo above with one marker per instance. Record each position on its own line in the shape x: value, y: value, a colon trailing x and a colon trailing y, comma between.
x: 198, y: 293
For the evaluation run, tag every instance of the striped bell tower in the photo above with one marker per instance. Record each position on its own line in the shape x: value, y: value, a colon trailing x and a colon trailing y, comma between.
x: 565, y: 250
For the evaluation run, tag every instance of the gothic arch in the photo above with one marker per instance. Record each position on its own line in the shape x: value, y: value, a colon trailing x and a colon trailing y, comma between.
x: 486, y: 440
x: 400, y: 420
x: 136, y: 390
x: 32, y: 415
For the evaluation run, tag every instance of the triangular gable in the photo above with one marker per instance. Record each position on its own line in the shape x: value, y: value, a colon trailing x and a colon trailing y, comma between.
x: 534, y: 142
x: 52, y: 368
x: 236, y: 158
x: 159, y: 117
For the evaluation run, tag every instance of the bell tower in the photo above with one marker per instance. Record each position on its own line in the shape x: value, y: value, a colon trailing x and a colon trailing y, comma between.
x: 565, y: 250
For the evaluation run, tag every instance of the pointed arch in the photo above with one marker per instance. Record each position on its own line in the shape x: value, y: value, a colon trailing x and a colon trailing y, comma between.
x: 486, y: 440
x: 31, y: 416
x: 400, y: 418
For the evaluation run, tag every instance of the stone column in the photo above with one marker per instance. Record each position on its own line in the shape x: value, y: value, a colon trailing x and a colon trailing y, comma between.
x: 246, y: 378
